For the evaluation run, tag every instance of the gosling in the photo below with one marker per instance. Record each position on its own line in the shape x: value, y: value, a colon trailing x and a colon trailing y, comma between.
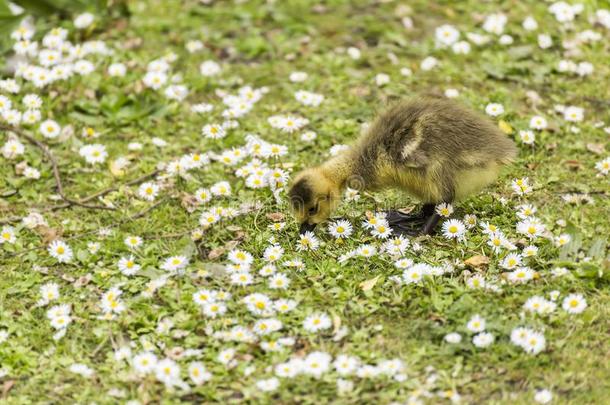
x: 434, y: 149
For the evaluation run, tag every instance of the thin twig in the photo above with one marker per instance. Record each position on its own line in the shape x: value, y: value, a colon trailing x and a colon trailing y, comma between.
x: 47, y: 152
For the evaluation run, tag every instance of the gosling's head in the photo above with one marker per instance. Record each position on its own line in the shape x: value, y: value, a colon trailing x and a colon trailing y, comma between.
x: 313, y: 197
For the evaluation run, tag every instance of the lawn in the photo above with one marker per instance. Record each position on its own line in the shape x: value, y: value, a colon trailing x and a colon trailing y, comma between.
x: 147, y: 249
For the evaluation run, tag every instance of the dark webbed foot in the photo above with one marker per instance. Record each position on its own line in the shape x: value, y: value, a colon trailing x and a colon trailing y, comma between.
x: 414, y: 224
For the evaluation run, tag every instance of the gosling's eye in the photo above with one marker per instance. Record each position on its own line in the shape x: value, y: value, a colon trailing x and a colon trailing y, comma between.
x: 313, y: 210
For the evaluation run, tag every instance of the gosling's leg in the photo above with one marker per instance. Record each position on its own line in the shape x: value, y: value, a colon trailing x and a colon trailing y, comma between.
x: 428, y: 227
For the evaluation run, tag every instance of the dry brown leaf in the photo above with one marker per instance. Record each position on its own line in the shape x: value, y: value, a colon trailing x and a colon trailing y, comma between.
x: 477, y: 261
x: 275, y: 216
x: 216, y: 253
x: 188, y: 202
x: 82, y: 281
x: 597, y: 148
x: 573, y: 164
x: 48, y: 234
x: 6, y: 387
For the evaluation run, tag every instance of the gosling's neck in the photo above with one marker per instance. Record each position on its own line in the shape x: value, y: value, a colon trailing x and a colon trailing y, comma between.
x: 341, y: 170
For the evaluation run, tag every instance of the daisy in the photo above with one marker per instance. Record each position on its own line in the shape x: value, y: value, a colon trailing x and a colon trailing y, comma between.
x: 446, y: 35
x: 562, y: 240
x: 483, y: 339
x: 203, y: 297
x: 12, y: 148
x: 266, y: 326
x: 530, y: 251
x: 414, y: 274
x: 241, y: 278
x: 31, y: 116
x: 208, y: 218
x: 49, y: 129
x: 49, y: 292
x: 573, y: 114
x: 117, y: 70
x: 382, y: 79
x: 429, y: 63
x: 267, y: 270
x: 154, y: 80
x: 403, y: 263
x: 289, y: 369
x: 346, y: 365
x: 279, y: 281
x: 268, y: 385
x: 453, y: 338
x: 527, y: 137
x: 495, y: 23
x: 175, y: 263
x: 144, y: 362
x: 214, y: 309
x: 7, y: 235
x: 209, y: 68
x: 494, y: 109
x: 521, y: 186
x: 317, y: 322
x: 198, y: 373
x: 521, y: 275
x: 603, y: 166
x: 273, y: 253
x: 82, y: 370
x: 531, y: 228
x: 297, y: 77
x: 316, y: 364
x: 543, y: 396
x: 148, y: 191
x: 538, y: 122
x: 128, y: 266
x: 366, y: 251
x: 60, y: 251
x: 454, y: 229
x: 534, y: 343
x: 476, y: 281
x: 307, y: 241
x: 574, y: 304
x: 511, y: 261
x: 168, y: 372
x: 284, y: 305
x: 526, y: 211
x: 476, y: 324
x: 396, y: 246
x: 133, y: 242
x: 444, y: 210
x: 94, y: 153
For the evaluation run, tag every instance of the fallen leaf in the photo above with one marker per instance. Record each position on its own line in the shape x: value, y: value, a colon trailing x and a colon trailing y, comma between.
x: 216, y: 253
x: 275, y: 216
x: 597, y: 148
x: 48, y: 234
x: 369, y: 284
x: 188, y: 202
x: 573, y: 164
x: 477, y: 261
x: 82, y: 281
x: 6, y: 387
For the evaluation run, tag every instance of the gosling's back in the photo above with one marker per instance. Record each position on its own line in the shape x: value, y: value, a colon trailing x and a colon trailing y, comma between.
x: 428, y: 145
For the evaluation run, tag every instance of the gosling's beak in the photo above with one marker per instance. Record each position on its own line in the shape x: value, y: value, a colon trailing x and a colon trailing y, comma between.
x: 306, y: 227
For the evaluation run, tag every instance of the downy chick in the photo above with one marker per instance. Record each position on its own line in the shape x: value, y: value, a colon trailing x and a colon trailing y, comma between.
x: 434, y: 149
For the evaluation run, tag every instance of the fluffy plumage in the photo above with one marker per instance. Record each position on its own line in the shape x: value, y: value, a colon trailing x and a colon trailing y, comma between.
x: 434, y: 149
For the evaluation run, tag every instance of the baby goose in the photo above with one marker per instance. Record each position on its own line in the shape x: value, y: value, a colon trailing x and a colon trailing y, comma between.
x: 434, y: 149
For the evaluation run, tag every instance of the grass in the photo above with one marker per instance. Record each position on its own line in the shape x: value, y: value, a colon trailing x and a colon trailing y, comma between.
x: 260, y: 44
